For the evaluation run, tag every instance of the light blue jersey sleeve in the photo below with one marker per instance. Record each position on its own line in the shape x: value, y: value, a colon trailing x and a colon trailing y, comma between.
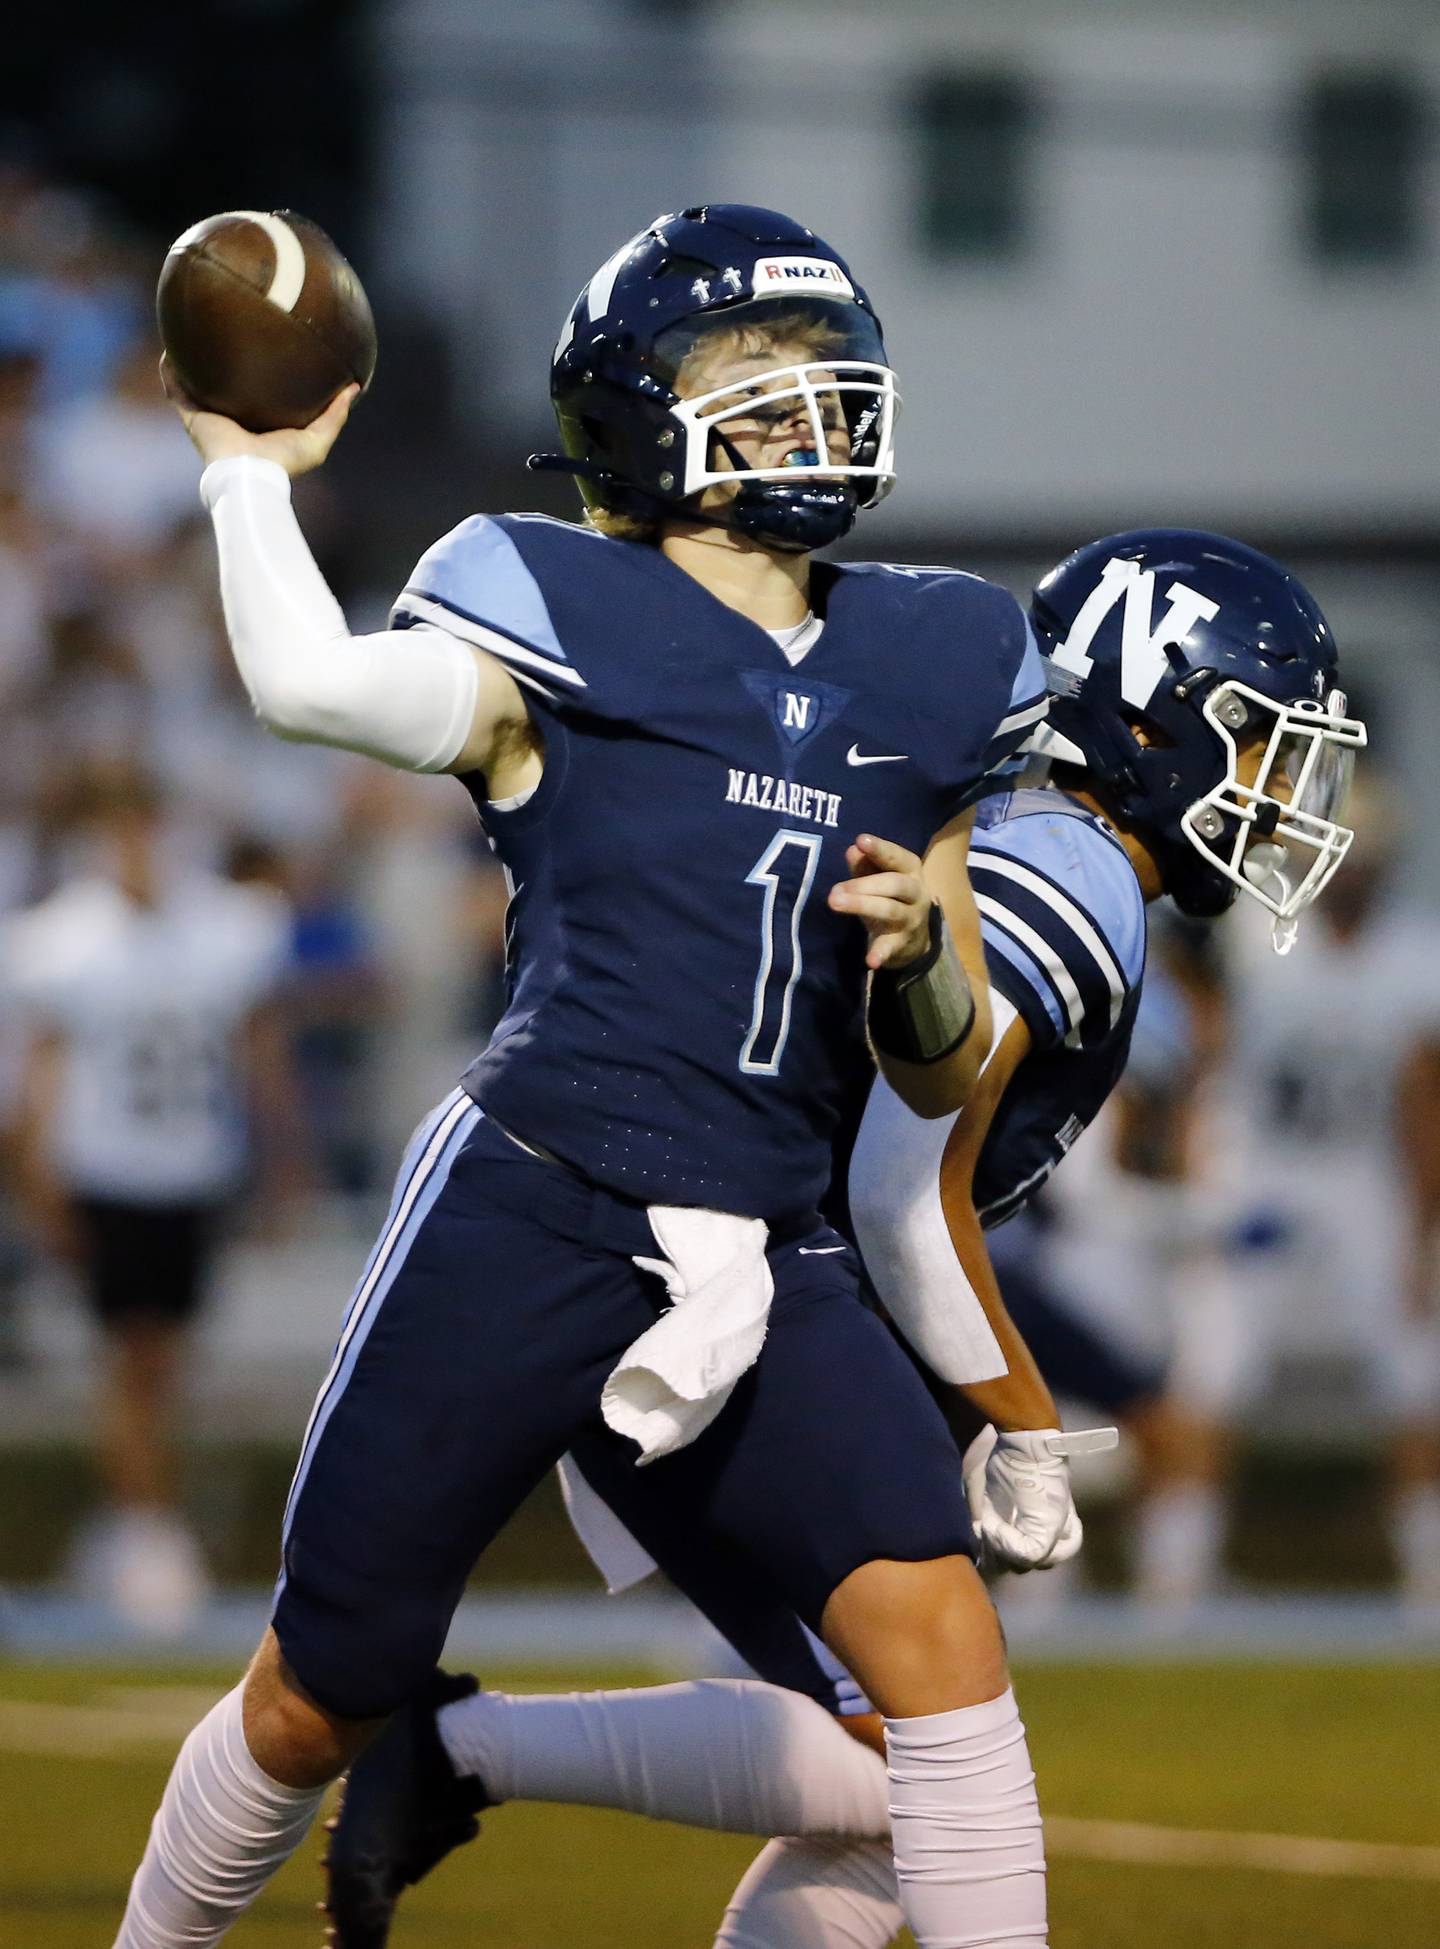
x: 1029, y: 698
x: 1062, y: 916
x: 476, y: 584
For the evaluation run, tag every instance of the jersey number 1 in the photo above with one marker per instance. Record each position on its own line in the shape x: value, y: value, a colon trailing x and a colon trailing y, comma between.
x: 786, y: 870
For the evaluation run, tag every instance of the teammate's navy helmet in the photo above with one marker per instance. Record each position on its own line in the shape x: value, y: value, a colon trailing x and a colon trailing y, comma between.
x: 638, y: 447
x: 1195, y: 681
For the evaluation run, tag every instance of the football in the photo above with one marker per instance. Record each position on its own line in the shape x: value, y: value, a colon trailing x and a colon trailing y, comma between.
x: 262, y: 318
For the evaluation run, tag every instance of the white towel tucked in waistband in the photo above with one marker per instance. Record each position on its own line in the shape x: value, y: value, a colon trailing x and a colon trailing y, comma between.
x: 674, y: 1380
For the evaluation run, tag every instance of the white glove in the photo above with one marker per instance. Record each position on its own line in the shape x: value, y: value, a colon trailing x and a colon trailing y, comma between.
x: 1018, y: 1489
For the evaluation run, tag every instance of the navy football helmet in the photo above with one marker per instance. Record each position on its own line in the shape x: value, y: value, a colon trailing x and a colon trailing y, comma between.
x: 1195, y: 681
x: 639, y: 447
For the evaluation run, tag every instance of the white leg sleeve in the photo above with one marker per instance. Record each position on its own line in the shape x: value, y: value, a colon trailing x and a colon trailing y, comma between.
x: 736, y: 1755
x: 1179, y: 1541
x: 1416, y: 1530
x: 405, y: 696
x: 969, y: 1853
x: 815, y: 1894
x: 222, y: 1830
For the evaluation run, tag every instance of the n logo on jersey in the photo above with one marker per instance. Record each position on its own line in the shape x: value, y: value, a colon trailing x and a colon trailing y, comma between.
x: 1143, y: 660
x: 798, y: 710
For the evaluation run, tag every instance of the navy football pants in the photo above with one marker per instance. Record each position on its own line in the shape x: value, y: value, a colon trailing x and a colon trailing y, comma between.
x: 725, y: 1585
x: 499, y: 1297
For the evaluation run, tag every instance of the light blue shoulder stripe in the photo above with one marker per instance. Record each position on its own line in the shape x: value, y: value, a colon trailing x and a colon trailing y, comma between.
x: 479, y: 572
x: 997, y: 942
x: 1029, y: 684
x: 1089, y: 871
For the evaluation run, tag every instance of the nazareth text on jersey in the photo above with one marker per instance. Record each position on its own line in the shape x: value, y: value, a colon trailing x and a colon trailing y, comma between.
x: 683, y: 1004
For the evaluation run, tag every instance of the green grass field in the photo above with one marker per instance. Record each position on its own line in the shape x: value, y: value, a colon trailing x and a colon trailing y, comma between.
x: 1346, y: 1753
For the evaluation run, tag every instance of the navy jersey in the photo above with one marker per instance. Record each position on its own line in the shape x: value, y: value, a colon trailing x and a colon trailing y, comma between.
x: 683, y: 1004
x: 1063, y: 920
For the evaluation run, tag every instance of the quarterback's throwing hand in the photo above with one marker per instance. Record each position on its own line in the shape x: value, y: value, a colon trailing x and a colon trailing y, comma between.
x: 889, y: 894
x: 1018, y: 1489
x: 298, y: 449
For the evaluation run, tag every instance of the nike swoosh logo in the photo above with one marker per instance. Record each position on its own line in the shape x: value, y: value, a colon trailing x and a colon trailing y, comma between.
x: 852, y: 757
x: 819, y: 1251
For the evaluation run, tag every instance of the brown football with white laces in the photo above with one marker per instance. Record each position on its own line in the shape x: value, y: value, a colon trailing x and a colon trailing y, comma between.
x: 262, y: 318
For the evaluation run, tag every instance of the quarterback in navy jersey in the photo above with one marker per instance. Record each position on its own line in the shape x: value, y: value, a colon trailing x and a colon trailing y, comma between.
x: 717, y: 1061
x: 1239, y: 696
x: 732, y: 790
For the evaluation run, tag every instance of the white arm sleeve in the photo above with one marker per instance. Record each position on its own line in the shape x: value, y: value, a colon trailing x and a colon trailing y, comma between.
x: 900, y: 1228
x: 405, y: 696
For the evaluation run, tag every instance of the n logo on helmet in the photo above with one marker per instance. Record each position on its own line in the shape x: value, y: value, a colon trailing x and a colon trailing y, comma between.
x: 1143, y: 662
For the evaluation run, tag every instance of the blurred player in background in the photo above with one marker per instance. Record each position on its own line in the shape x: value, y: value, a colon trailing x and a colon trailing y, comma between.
x: 1120, y: 1286
x: 145, y: 991
x: 1276, y: 1186
x: 1224, y: 704
x: 1332, y: 1149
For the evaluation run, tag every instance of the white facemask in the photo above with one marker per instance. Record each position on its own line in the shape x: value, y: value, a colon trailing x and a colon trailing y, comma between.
x: 1279, y: 839
x: 810, y: 394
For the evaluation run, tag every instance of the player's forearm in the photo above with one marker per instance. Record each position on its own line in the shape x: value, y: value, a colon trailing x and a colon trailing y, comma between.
x: 277, y: 1118
x: 41, y: 1193
x: 37, y: 1185
x: 953, y: 1011
x: 939, y: 1087
x: 899, y: 1225
x: 45, y: 1202
x: 1018, y: 1398
x: 1419, y: 1146
x: 405, y: 697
